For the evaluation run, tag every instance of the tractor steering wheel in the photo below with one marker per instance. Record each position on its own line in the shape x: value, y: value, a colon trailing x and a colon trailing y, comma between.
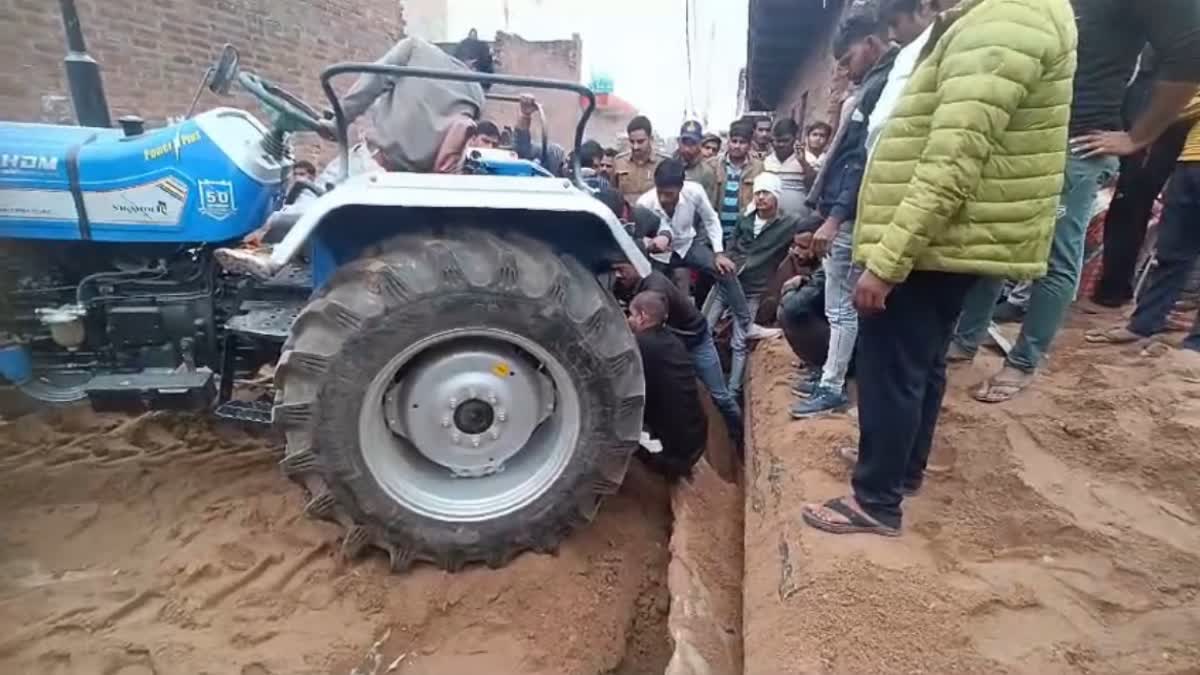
x: 290, y: 111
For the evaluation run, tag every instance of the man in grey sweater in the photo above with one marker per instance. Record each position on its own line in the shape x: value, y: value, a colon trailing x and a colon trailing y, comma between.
x: 420, y: 124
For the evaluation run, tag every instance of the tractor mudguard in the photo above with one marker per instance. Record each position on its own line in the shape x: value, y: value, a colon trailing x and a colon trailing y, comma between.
x: 515, y: 203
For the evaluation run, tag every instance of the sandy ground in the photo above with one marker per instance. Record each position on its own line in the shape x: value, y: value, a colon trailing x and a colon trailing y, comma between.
x: 165, y: 544
x: 705, y: 574
x: 1056, y: 534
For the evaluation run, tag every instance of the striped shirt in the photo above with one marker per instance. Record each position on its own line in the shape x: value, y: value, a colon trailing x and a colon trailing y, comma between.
x: 729, y: 198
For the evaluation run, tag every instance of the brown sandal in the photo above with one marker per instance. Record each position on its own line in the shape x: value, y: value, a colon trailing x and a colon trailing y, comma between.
x: 856, y: 522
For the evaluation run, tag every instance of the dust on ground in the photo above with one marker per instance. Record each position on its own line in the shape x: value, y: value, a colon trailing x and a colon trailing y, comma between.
x: 168, y: 544
x: 1059, y: 533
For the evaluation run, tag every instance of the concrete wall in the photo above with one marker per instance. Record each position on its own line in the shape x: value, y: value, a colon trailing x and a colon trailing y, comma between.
x: 816, y: 90
x: 552, y: 59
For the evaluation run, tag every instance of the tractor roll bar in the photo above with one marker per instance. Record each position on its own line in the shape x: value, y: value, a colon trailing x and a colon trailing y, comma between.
x: 339, y: 115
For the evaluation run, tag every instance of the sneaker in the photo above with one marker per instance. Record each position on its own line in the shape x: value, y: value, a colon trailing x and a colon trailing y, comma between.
x: 758, y: 332
x: 823, y: 401
x: 806, y: 383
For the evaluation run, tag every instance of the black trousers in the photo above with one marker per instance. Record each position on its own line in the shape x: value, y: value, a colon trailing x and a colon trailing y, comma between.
x: 901, y: 381
x: 1141, y: 180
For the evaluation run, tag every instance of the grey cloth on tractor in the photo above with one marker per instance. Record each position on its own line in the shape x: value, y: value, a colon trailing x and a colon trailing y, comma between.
x: 412, y: 115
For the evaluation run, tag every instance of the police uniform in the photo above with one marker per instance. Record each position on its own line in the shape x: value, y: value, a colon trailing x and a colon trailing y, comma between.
x: 634, y: 178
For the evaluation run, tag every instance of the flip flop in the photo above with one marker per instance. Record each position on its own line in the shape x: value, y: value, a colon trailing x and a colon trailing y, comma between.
x: 1003, y: 387
x: 857, y: 522
x: 1118, y: 335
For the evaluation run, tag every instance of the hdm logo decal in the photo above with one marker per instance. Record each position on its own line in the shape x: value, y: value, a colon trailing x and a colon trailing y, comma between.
x: 216, y: 199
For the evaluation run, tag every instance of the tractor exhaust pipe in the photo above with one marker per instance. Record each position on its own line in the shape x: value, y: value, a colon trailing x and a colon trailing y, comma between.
x: 83, y: 73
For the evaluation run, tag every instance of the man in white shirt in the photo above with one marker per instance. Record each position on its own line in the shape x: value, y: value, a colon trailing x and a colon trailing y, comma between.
x: 681, y: 204
x: 796, y: 175
x: 910, y: 23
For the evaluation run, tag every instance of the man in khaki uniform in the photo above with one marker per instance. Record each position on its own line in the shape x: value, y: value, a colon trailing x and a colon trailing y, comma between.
x: 635, y: 167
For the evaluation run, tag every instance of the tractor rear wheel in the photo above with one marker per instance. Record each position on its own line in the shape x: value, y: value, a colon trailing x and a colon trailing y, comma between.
x: 459, y: 398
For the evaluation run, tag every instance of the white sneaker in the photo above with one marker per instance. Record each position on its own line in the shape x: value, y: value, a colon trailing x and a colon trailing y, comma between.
x: 758, y: 332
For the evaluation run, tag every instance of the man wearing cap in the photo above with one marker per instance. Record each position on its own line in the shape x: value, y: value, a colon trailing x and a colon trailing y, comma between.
x: 759, y: 243
x: 691, y: 153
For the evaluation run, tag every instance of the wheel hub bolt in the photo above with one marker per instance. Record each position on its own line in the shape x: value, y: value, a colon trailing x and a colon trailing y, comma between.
x: 446, y: 421
x: 501, y: 415
x: 492, y: 399
x: 475, y: 442
x: 495, y: 434
x: 453, y: 402
x: 455, y: 436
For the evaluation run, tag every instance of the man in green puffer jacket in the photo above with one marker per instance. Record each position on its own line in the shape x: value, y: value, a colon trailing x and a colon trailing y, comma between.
x: 964, y: 182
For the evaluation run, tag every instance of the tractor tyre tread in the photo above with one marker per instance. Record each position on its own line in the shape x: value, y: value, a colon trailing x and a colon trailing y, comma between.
x: 406, y: 273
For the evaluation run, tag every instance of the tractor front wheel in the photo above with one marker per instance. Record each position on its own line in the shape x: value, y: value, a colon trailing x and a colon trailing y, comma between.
x: 459, y: 399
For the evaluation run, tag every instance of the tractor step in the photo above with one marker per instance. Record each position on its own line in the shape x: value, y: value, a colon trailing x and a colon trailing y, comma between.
x: 155, y: 389
x: 292, y: 277
x: 255, y: 412
x: 268, y: 319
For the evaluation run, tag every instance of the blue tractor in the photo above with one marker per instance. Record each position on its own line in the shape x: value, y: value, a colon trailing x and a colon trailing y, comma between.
x: 453, y: 380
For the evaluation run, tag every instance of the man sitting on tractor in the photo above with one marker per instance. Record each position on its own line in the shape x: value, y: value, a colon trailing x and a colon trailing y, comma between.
x: 418, y: 124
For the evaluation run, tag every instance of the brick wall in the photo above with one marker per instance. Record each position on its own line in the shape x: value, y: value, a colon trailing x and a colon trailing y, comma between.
x: 552, y: 59
x: 154, y: 52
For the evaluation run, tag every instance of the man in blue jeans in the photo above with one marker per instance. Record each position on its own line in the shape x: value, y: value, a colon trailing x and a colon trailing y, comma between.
x: 862, y: 47
x: 1112, y: 33
x: 686, y: 322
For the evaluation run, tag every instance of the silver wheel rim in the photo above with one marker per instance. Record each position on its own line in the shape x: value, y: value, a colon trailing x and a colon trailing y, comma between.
x: 469, y: 424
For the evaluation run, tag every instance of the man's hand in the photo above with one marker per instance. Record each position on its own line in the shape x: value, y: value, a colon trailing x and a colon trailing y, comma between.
x: 870, y: 295
x: 725, y: 266
x: 1103, y: 143
x: 823, y: 238
x: 802, y: 247
x: 529, y: 105
x: 255, y: 238
x: 657, y: 244
x: 328, y: 130
x: 792, y: 284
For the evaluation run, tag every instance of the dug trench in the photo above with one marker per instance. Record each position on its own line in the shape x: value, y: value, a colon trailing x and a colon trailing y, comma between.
x: 167, y: 543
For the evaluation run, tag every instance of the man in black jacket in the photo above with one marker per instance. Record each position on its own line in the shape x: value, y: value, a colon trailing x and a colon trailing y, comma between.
x: 673, y: 414
x: 861, y: 46
x: 687, y: 324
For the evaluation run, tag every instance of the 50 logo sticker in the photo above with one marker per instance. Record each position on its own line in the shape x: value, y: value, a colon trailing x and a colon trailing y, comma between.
x: 216, y: 199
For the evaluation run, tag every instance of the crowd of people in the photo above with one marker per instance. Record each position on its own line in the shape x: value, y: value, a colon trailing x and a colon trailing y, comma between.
x: 955, y: 184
